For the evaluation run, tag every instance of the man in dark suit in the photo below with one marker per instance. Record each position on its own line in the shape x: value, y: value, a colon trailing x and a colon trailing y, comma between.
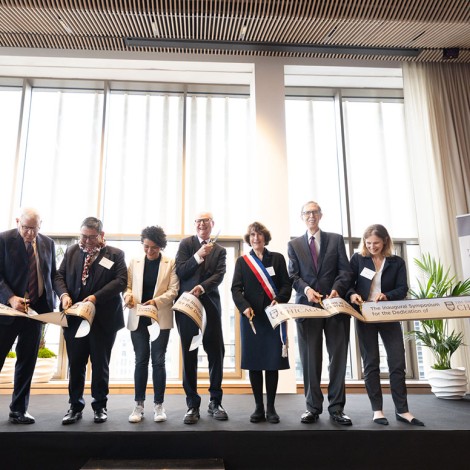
x: 200, y: 266
x: 91, y: 271
x: 27, y: 272
x: 319, y: 268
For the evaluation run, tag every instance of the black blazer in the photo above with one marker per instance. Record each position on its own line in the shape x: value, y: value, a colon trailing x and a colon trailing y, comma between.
x: 208, y: 274
x: 334, y: 272
x: 105, y: 284
x: 14, y: 268
x: 394, y: 280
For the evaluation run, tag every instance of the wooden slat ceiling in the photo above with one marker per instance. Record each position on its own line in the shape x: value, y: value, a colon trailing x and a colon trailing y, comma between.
x: 103, y: 25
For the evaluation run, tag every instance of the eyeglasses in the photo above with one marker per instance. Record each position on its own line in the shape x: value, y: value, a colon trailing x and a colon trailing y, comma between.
x: 202, y: 221
x: 311, y: 213
x: 26, y: 228
x: 92, y: 238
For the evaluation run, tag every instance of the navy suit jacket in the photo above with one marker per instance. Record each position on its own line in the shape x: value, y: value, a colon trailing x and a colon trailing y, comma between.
x: 105, y: 284
x: 394, y: 282
x: 14, y: 268
x: 334, y: 272
x: 208, y: 274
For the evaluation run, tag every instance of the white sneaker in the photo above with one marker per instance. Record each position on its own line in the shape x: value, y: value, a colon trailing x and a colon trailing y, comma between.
x: 137, y: 415
x: 159, y: 413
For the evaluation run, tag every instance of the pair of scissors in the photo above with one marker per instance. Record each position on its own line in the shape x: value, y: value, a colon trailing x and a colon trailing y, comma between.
x: 251, y: 322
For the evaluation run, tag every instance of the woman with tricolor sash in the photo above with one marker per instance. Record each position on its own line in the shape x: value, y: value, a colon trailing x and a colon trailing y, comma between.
x: 261, y: 279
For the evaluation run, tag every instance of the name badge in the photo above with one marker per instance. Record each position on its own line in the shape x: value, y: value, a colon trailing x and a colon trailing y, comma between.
x: 271, y: 271
x: 368, y: 273
x: 106, y: 263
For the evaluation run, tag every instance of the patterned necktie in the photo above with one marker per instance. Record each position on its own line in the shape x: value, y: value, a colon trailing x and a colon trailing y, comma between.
x: 313, y: 251
x: 32, y: 275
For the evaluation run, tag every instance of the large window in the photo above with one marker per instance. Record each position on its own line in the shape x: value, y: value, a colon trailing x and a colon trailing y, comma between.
x: 347, y: 151
x: 133, y: 157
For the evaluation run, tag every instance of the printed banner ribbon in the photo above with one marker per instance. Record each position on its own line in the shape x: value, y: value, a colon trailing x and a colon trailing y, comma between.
x: 376, y: 312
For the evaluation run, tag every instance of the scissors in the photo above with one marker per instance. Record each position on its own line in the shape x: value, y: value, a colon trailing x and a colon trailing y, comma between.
x: 215, y: 238
x: 251, y: 322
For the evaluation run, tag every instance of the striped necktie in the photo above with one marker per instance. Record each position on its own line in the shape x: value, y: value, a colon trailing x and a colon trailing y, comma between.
x: 32, y: 275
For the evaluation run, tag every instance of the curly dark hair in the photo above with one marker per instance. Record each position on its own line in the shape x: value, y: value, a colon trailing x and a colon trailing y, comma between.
x: 259, y: 228
x: 155, y: 234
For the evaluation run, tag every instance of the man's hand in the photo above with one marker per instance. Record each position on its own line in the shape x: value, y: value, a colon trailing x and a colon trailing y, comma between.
x: 333, y: 294
x: 197, y: 291
x: 205, y: 250
x: 19, y: 303
x: 66, y: 301
x: 90, y: 298
x: 356, y: 299
x: 313, y: 296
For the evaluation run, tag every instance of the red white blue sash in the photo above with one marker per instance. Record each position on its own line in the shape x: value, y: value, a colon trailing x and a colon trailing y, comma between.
x: 264, y: 278
x: 262, y: 275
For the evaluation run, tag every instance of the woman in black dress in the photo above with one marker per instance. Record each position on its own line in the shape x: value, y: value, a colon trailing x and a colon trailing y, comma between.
x: 262, y: 347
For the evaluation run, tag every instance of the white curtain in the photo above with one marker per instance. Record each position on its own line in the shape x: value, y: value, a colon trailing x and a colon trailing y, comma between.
x: 437, y: 107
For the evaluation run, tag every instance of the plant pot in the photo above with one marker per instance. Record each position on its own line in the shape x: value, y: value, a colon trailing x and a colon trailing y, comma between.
x: 45, y: 368
x: 450, y: 384
x: 8, y: 370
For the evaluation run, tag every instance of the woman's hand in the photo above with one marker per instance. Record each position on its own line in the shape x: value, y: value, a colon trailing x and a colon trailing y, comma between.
x: 129, y: 301
x: 380, y: 297
x: 249, y: 313
x: 356, y: 299
x: 150, y: 302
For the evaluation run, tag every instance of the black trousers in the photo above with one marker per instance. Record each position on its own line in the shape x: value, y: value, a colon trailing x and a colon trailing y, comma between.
x: 97, y: 346
x: 213, y: 343
x: 392, y: 338
x: 310, y: 338
x: 28, y: 333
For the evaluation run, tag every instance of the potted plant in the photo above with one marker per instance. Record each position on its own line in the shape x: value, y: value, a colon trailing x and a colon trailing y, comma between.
x: 8, y: 369
x: 445, y: 381
x: 46, y: 362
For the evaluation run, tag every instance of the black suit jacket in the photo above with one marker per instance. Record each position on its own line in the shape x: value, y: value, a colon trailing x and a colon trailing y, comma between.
x: 334, y: 272
x: 208, y: 274
x: 105, y: 284
x: 394, y: 282
x: 14, y: 268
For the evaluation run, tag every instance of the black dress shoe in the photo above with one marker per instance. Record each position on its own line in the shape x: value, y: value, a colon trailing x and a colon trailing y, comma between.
x: 71, y: 417
x: 217, y: 411
x: 191, y: 416
x: 272, y: 416
x: 18, y: 417
x: 100, y: 416
x: 340, y: 418
x: 258, y: 415
x: 414, y: 421
x: 309, y: 417
x: 383, y: 421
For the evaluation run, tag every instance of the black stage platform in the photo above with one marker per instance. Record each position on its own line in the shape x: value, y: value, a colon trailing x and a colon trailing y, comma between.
x: 47, y: 444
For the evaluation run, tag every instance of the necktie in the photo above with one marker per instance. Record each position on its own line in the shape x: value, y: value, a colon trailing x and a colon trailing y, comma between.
x: 32, y: 274
x: 313, y: 251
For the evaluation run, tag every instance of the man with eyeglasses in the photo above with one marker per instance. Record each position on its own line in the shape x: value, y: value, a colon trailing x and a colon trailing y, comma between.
x: 200, y: 266
x: 27, y: 272
x: 91, y: 271
x: 319, y: 268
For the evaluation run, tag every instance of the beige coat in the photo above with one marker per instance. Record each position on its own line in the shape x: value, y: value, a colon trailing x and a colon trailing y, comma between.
x: 165, y: 293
